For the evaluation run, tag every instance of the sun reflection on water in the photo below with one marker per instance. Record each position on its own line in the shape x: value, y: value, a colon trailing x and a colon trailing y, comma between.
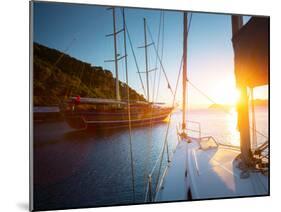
x: 234, y: 136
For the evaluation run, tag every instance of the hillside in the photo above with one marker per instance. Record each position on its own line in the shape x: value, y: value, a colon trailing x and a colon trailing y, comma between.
x: 57, y: 76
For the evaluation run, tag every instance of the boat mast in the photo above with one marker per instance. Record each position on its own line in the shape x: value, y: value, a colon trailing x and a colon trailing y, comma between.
x: 184, y: 73
x: 125, y: 50
x: 242, y: 109
x: 146, y: 62
x: 115, y: 57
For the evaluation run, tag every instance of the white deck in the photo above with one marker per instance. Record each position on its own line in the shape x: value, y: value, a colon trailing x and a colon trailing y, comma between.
x: 174, y: 186
x: 212, y: 173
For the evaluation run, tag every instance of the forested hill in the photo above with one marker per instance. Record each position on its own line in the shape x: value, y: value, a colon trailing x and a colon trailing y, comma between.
x: 57, y: 76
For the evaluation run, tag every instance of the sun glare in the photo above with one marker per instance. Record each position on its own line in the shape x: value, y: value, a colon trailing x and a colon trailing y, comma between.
x: 229, y: 96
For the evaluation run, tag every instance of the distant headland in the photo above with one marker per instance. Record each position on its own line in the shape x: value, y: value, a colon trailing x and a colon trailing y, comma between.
x: 257, y: 102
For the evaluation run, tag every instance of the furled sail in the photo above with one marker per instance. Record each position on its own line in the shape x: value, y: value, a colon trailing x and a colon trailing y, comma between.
x: 251, y: 50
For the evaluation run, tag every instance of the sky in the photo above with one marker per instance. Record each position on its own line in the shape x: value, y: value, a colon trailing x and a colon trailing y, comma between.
x: 80, y: 31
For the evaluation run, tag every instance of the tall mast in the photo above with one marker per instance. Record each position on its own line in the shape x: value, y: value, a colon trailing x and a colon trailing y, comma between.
x: 125, y: 49
x: 242, y: 109
x: 184, y: 73
x: 146, y: 62
x: 115, y: 57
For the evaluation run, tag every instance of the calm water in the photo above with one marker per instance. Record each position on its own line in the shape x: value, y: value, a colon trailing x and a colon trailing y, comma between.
x: 86, y: 168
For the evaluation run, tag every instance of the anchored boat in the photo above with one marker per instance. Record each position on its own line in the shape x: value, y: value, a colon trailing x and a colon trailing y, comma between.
x: 81, y: 113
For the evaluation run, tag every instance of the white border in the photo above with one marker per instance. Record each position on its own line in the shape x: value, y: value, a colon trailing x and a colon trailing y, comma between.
x: 14, y: 89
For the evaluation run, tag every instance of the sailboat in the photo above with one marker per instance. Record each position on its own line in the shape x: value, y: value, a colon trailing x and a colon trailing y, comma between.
x: 82, y: 113
x: 202, y: 168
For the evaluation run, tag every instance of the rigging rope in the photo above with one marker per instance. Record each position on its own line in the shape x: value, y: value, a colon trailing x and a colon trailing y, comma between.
x: 189, y: 23
x: 80, y: 77
x: 156, y: 59
x: 129, y: 108
x: 211, y: 100
x: 65, y: 51
x: 174, y: 94
x: 135, y: 59
x: 169, y: 121
x: 168, y: 127
x: 153, y: 44
x: 162, y: 49
x: 160, y: 59
x: 61, y: 56
x: 148, y: 147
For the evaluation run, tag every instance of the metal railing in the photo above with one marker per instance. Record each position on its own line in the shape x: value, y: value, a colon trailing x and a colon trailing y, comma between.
x: 198, y: 124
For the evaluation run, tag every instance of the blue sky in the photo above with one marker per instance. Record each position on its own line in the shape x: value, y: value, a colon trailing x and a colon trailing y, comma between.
x: 210, y: 53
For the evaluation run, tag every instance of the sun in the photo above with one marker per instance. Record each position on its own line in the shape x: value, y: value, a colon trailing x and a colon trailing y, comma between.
x: 227, y: 96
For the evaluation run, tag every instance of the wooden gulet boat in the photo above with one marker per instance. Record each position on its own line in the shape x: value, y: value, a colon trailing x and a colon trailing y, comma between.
x: 82, y: 113
x: 107, y: 113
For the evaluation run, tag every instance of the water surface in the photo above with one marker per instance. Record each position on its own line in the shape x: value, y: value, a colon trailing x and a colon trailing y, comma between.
x: 89, y: 168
